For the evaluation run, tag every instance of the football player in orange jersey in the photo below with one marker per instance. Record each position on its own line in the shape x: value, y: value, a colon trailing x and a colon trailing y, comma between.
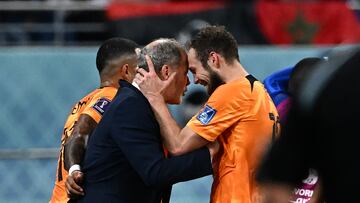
x: 116, y: 59
x: 239, y: 114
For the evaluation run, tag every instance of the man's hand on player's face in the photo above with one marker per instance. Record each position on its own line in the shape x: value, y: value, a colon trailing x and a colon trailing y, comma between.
x: 72, y: 183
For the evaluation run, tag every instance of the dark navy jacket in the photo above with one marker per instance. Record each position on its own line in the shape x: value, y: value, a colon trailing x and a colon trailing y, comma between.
x: 124, y: 160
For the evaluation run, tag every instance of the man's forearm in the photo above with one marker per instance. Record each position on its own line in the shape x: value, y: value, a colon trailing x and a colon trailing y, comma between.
x: 170, y: 130
x: 177, y: 141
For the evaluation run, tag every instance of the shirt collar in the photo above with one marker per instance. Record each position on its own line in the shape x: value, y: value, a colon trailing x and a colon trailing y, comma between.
x: 135, y: 85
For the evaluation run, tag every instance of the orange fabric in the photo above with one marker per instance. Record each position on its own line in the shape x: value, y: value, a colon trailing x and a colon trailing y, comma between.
x: 237, y: 115
x: 92, y: 105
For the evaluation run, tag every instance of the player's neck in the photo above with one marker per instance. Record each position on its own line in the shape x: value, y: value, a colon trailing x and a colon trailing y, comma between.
x: 234, y: 72
x: 108, y: 83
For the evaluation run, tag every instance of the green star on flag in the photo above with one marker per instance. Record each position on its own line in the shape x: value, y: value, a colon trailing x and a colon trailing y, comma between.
x: 302, y: 31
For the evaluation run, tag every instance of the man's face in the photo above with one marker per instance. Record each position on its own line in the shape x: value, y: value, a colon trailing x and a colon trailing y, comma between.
x: 206, y: 77
x: 178, y: 87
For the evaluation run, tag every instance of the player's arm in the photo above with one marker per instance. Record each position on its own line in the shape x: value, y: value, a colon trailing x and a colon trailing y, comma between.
x: 74, y: 150
x: 177, y: 141
x: 76, y: 145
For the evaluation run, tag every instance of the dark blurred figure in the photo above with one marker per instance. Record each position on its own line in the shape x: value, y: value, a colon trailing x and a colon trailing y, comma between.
x: 300, y: 72
x: 320, y: 133
x: 282, y: 85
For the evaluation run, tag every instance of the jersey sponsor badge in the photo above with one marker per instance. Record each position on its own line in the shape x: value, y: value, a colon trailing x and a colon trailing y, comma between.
x: 101, y: 105
x: 206, y: 115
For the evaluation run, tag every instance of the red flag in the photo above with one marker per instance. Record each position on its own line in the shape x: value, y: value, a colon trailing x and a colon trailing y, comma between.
x: 306, y: 23
x: 116, y: 11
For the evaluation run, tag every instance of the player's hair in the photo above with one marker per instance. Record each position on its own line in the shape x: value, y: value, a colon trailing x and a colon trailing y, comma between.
x: 167, y: 51
x: 300, y: 72
x: 217, y: 39
x: 114, y: 48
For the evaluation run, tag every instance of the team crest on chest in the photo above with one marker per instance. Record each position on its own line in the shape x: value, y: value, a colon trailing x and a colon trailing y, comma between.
x: 101, y: 105
x: 206, y: 115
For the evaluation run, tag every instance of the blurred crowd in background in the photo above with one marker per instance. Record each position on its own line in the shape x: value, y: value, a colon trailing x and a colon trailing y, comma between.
x: 81, y: 22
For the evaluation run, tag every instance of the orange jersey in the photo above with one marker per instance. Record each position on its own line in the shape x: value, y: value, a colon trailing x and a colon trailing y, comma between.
x: 94, y: 105
x: 243, y: 118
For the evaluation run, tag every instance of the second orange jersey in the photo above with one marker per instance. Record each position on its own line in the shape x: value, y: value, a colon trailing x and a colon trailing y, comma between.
x: 243, y: 118
x: 94, y: 105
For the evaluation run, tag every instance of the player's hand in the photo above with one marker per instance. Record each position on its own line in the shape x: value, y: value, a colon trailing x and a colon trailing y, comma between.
x: 149, y: 82
x: 213, y: 148
x: 72, y: 184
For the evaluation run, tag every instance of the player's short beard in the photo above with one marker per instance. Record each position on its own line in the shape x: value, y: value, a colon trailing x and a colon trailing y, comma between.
x: 214, y: 82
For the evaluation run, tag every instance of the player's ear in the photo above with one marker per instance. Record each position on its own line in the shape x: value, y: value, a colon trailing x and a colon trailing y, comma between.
x: 125, y: 72
x: 214, y: 60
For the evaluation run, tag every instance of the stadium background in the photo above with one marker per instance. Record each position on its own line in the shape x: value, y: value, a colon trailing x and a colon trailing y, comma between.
x: 47, y: 62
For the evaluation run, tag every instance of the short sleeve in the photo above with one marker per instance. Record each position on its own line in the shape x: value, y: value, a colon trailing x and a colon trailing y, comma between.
x: 224, y: 108
x: 99, y: 104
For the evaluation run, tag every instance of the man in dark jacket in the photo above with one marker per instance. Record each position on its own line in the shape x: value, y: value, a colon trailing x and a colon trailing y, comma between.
x: 125, y: 160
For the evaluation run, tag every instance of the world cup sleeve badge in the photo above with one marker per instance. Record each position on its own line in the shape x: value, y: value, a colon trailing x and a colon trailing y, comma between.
x: 206, y: 115
x: 101, y: 105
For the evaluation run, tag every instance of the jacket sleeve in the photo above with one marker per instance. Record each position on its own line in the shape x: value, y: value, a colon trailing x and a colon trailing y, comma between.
x: 136, y: 133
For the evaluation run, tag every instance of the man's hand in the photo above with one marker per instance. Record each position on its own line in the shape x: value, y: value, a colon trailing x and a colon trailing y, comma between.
x: 149, y: 82
x: 213, y: 148
x: 72, y: 183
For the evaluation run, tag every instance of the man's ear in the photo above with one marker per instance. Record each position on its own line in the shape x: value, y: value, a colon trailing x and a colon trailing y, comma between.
x: 165, y: 72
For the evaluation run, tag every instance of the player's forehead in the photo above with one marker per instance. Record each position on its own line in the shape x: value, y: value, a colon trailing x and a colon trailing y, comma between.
x: 191, y: 54
x: 193, y: 60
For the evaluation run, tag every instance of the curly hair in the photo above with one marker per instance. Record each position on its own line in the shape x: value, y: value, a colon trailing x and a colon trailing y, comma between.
x: 217, y: 39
